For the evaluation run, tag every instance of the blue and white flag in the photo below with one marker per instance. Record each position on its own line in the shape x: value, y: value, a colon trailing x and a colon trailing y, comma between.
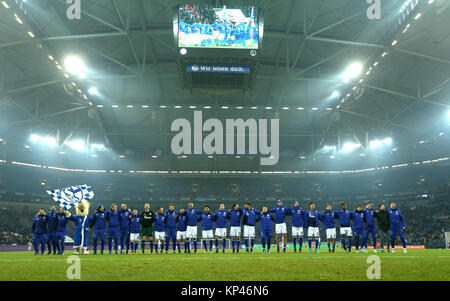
x: 72, y: 196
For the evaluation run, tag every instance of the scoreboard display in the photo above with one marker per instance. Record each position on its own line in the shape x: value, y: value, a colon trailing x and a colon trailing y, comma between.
x: 202, y: 26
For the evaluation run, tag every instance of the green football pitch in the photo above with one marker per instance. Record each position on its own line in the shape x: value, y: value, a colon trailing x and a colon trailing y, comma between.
x: 415, y: 265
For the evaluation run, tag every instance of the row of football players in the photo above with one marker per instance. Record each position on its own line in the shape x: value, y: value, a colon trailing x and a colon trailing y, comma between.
x: 181, y: 227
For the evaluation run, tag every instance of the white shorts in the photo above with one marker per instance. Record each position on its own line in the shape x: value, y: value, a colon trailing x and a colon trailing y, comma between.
x: 235, y: 231
x: 249, y: 231
x: 160, y: 235
x: 280, y: 228
x: 181, y: 235
x: 207, y: 234
x: 313, y: 232
x: 331, y: 233
x: 346, y: 231
x: 191, y: 232
x: 297, y: 231
x: 221, y: 232
x: 134, y: 237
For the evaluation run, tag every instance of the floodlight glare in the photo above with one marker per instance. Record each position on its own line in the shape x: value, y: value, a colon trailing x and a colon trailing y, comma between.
x: 50, y: 141
x: 387, y: 141
x: 76, y: 145
x: 93, y: 91
x: 35, y: 138
x: 375, y: 143
x: 75, y: 66
x: 98, y: 147
x: 335, y: 94
x: 349, y: 146
x: 353, y: 70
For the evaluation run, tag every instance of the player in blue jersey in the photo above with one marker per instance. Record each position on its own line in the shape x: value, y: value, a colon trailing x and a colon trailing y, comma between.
x: 280, y: 224
x: 330, y: 227
x: 191, y: 229
x: 359, y: 221
x: 220, y: 217
x: 371, y: 229
x: 124, y: 227
x: 135, y: 230
x: 171, y: 230
x: 181, y: 231
x: 39, y: 229
x: 52, y: 217
x: 207, y: 228
x: 312, y: 223
x: 160, y: 229
x: 234, y: 215
x: 112, y: 217
x: 345, y: 217
x: 249, y: 219
x: 267, y: 220
x: 298, y: 222
x: 397, y: 225
x: 61, y: 231
x: 99, y: 223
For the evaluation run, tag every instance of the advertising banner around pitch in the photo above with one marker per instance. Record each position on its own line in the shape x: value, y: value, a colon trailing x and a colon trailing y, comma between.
x: 217, y: 69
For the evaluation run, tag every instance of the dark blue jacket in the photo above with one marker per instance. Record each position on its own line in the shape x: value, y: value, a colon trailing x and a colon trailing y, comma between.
x: 370, y: 217
x: 171, y: 218
x: 62, y: 223
x: 39, y: 225
x: 52, y: 220
x: 250, y: 216
x: 192, y: 216
x: 98, y: 221
x: 182, y: 222
x: 298, y: 216
x: 345, y: 217
x: 207, y: 221
x: 124, y: 218
x: 328, y: 219
x: 113, y: 218
x: 312, y: 218
x: 135, y: 224
x: 235, y: 217
x: 220, y: 217
x: 396, y: 218
x: 280, y: 214
x: 266, y: 222
x: 160, y: 222
x: 359, y: 219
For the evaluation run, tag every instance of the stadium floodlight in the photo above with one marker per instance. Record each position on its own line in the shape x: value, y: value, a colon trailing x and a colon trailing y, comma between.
x: 98, y: 147
x: 76, y: 145
x: 5, y: 4
x: 329, y: 148
x: 335, y: 94
x: 350, y: 146
x: 75, y: 66
x: 93, y: 91
x: 50, y: 141
x: 35, y: 138
x: 375, y: 143
x: 387, y: 141
x: 353, y: 70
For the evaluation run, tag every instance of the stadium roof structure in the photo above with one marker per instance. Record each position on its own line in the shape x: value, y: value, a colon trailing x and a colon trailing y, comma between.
x: 128, y: 48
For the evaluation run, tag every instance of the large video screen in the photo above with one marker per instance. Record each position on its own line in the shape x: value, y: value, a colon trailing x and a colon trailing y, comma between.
x: 204, y: 26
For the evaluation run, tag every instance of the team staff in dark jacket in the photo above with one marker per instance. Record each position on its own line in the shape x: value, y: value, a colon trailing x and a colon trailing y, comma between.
x: 39, y: 229
x: 147, y: 227
x: 382, y: 218
x: 370, y: 228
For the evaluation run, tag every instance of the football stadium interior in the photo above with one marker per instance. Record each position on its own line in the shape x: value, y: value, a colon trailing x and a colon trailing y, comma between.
x: 357, y: 96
